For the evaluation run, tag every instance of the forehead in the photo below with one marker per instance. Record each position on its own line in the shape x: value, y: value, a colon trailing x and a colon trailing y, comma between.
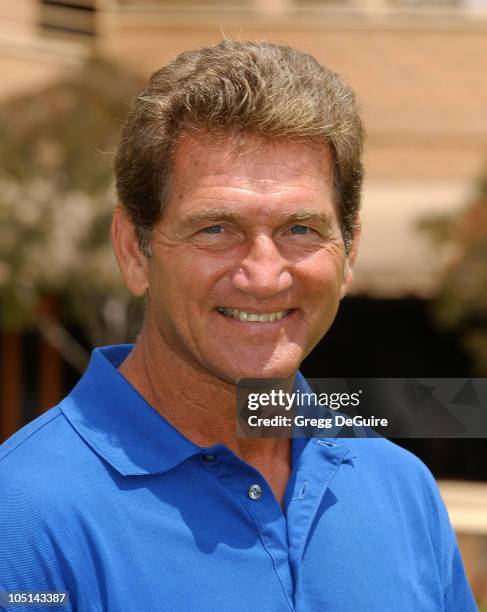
x: 203, y: 161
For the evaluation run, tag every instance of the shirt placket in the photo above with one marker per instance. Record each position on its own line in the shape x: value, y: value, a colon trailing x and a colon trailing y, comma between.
x: 315, y: 468
x: 283, y: 536
x: 252, y: 491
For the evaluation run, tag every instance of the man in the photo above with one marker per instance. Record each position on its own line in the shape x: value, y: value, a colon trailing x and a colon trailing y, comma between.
x: 239, y: 177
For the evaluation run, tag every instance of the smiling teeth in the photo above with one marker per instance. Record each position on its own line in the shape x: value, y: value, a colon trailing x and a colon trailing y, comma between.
x: 241, y: 315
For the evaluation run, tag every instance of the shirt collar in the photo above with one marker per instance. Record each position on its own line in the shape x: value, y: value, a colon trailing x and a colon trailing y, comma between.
x: 336, y: 446
x: 117, y: 422
x: 125, y: 430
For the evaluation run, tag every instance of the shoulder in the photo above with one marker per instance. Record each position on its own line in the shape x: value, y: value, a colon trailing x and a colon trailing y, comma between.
x: 390, y: 457
x: 32, y: 446
x: 38, y: 426
x: 392, y: 467
x: 394, y: 480
x: 39, y: 466
x: 402, y: 483
x: 37, y: 446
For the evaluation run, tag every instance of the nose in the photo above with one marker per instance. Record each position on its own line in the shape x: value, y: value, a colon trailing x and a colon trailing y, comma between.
x: 264, y: 272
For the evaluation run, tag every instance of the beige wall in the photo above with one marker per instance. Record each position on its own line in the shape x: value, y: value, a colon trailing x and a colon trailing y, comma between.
x: 421, y: 82
x: 29, y: 58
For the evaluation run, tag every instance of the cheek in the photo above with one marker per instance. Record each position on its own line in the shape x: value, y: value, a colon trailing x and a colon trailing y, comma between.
x: 182, y: 282
x: 214, y: 263
x: 322, y: 277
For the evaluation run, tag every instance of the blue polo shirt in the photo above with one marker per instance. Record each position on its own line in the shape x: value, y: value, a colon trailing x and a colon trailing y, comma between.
x: 101, y: 497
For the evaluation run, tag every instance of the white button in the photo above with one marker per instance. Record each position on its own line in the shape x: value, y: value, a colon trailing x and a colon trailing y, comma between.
x: 208, y: 458
x: 255, y: 491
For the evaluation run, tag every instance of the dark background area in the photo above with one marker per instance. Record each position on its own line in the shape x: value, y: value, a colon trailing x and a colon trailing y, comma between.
x: 374, y: 338
x: 370, y: 338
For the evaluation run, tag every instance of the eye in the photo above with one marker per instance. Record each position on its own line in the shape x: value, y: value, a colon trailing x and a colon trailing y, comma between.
x: 299, y: 229
x: 213, y: 229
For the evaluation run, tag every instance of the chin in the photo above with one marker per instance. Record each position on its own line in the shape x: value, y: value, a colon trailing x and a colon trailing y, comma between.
x: 281, y: 370
x: 253, y: 362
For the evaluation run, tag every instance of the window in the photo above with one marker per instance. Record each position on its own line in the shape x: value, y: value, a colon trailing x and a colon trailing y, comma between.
x: 70, y: 16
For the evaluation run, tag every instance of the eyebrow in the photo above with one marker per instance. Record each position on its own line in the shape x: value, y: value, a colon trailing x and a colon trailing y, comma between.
x: 210, y: 214
x: 309, y: 215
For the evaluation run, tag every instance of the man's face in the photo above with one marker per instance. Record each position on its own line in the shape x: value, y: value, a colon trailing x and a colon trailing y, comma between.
x: 248, y: 263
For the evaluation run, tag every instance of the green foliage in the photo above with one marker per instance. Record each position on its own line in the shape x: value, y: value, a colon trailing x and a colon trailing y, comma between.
x: 57, y: 197
x: 462, y: 298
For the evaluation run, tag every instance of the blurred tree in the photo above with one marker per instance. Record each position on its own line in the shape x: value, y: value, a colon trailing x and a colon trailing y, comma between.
x: 56, y: 201
x: 462, y: 298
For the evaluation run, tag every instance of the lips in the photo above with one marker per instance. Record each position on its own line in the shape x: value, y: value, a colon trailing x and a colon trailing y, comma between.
x: 253, y: 317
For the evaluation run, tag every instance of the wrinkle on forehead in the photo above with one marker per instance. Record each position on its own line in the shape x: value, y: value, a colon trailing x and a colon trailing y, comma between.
x: 261, y: 163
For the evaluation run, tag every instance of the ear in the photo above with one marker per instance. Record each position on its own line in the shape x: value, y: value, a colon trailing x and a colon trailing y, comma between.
x: 350, y: 259
x: 131, y: 261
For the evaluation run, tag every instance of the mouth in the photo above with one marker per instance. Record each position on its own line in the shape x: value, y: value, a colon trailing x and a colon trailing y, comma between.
x: 254, y: 317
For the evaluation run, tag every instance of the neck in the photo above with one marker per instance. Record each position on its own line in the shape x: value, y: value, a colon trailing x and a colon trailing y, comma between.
x: 202, y: 408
